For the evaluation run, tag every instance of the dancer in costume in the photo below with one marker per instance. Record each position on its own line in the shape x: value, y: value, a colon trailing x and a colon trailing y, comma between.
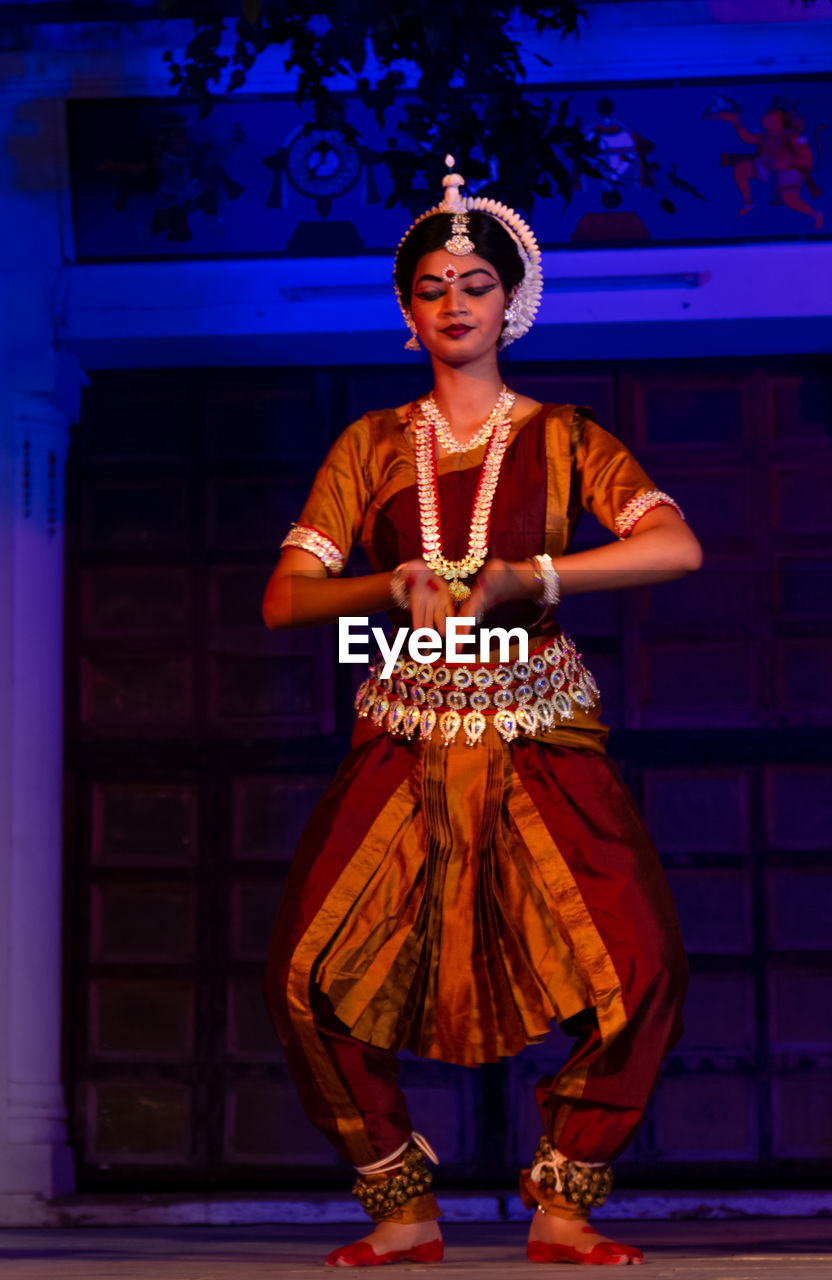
x: 477, y: 868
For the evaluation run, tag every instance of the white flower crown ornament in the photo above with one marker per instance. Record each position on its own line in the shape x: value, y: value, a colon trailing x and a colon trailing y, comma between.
x: 523, y: 308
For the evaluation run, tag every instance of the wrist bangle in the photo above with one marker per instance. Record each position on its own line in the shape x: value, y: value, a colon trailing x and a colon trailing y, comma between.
x: 398, y: 589
x: 548, y: 581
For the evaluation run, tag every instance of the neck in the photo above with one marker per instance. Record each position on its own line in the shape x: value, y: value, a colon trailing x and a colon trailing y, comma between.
x: 466, y: 394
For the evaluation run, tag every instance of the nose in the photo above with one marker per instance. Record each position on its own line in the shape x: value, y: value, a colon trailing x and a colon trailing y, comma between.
x: 455, y: 302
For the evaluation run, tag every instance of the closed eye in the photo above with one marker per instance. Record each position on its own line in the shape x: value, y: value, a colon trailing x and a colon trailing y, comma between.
x: 476, y: 291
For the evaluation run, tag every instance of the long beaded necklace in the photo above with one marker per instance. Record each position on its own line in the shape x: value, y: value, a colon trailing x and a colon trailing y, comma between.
x: 428, y: 490
x: 433, y: 414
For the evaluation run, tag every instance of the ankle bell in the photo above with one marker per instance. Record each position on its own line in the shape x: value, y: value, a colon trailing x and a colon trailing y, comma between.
x: 565, y: 1187
x: 397, y: 1188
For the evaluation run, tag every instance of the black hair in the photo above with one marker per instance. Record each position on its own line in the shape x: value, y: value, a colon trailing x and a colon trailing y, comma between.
x: 491, y: 241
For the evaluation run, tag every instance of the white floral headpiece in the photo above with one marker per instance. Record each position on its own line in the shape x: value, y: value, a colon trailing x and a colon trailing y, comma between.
x: 526, y: 301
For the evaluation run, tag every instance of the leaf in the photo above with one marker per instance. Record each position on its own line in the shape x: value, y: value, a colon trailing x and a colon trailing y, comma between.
x: 469, y: 93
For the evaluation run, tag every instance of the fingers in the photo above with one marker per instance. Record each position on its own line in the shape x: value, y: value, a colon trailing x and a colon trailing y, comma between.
x: 474, y: 607
x: 430, y: 602
x: 443, y: 608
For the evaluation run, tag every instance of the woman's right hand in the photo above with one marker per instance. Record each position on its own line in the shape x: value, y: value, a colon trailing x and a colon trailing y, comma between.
x: 431, y: 603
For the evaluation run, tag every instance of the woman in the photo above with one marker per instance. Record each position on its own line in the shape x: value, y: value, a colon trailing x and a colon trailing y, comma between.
x: 477, y: 867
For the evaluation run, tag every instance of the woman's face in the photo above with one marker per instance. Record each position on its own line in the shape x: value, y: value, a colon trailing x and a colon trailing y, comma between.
x: 458, y: 305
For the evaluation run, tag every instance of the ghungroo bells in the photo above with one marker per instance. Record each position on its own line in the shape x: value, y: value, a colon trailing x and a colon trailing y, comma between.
x: 380, y: 1199
x: 583, y: 1184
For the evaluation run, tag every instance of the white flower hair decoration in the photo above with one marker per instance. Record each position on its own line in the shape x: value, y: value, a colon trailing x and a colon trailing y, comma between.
x: 525, y: 303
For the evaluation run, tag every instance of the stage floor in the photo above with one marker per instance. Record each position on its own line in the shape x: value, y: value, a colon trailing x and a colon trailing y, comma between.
x: 779, y: 1248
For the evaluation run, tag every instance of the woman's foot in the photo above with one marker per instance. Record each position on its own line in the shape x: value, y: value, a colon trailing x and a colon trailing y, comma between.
x: 556, y: 1239
x: 392, y: 1242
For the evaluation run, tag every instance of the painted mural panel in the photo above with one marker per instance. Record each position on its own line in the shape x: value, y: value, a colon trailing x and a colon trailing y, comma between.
x: 707, y: 161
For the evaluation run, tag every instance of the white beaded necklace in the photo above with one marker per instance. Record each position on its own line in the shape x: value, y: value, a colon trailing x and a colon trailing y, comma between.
x: 432, y: 413
x: 427, y: 486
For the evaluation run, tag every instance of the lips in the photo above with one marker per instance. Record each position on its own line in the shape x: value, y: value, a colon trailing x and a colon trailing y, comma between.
x: 457, y: 330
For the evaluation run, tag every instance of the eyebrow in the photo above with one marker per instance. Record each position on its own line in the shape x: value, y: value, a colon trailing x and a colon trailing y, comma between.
x: 464, y: 276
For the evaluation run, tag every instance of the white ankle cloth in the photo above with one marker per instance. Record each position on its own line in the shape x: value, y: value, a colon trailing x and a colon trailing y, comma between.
x: 392, y: 1161
x: 557, y: 1162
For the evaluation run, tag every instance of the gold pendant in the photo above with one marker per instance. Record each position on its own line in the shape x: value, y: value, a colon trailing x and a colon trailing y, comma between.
x: 506, y: 725
x: 395, y: 716
x: 474, y: 725
x: 411, y: 720
x: 380, y: 708
x: 449, y: 723
x: 527, y: 720
x: 427, y: 724
x: 359, y: 693
x: 459, y: 591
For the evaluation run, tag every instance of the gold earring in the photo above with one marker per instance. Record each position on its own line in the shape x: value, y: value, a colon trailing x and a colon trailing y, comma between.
x: 412, y: 343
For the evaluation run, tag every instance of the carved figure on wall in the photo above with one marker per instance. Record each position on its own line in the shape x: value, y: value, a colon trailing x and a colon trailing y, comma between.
x: 622, y: 154
x: 321, y: 164
x: 191, y: 176
x: 184, y: 174
x: 622, y: 160
x: 782, y: 157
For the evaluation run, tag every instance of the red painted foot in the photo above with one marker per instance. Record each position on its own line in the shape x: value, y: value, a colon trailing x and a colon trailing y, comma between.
x: 363, y: 1254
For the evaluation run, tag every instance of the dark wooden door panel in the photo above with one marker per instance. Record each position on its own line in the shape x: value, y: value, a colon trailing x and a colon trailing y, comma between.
x: 198, y: 743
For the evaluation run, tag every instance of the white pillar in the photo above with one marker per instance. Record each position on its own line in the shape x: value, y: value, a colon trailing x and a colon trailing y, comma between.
x: 35, y: 1160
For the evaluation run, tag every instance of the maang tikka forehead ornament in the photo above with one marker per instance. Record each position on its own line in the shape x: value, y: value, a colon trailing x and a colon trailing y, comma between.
x: 526, y: 300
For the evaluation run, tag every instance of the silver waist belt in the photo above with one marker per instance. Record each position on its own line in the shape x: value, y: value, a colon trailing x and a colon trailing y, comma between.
x: 521, y: 697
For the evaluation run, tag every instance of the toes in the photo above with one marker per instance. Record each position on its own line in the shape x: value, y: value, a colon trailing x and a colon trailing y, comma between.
x: 616, y: 1254
x: 360, y: 1254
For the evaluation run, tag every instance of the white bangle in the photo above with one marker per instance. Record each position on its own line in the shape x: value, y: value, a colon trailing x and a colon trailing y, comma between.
x: 398, y: 588
x: 548, y: 580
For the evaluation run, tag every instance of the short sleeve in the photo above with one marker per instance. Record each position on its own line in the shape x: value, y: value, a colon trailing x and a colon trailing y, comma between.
x: 614, y: 486
x: 334, y: 512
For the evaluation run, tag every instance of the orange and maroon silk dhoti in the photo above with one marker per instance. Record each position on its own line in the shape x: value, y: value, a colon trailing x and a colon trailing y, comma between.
x: 456, y: 900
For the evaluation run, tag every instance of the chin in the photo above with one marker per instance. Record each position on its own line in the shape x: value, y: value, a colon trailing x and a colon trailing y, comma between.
x: 461, y: 350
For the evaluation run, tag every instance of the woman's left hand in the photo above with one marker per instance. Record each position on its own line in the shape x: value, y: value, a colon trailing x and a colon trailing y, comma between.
x: 497, y: 582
